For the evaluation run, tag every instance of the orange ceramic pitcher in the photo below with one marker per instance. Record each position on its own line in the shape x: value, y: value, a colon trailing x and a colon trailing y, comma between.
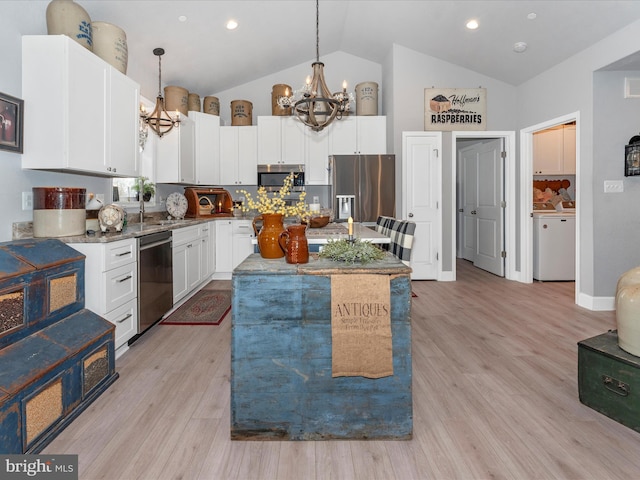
x: 294, y: 242
x: 269, y: 234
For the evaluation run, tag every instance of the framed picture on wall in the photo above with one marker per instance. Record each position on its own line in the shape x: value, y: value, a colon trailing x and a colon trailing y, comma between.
x: 11, y: 111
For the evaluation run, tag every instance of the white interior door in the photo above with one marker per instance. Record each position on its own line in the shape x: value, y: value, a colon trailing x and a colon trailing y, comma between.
x: 481, y: 174
x: 490, y: 224
x: 422, y: 174
x: 469, y: 201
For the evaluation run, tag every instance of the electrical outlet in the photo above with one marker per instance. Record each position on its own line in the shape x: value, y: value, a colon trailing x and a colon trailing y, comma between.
x: 27, y: 200
x: 613, y: 186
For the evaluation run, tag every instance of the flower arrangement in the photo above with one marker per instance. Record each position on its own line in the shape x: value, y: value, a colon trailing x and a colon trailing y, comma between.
x: 275, y: 203
x: 343, y: 250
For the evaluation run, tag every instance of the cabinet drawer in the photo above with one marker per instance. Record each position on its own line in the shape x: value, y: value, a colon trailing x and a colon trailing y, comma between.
x: 125, y: 318
x: 120, y: 253
x: 242, y: 227
x: 121, y: 285
x: 185, y: 235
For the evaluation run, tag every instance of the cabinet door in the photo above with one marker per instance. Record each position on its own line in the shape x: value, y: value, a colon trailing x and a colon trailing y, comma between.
x: 87, y: 114
x: 342, y: 136
x: 242, y: 235
x: 194, y: 264
x: 205, y: 251
x: 123, y: 125
x: 247, y: 155
x: 317, y: 158
x: 175, y: 160
x: 371, y: 134
x: 548, y: 152
x: 212, y: 247
x: 224, y: 243
x: 228, y: 155
x: 207, y: 148
x: 180, y: 285
x: 569, y: 150
x: 294, y: 134
x: 269, y: 140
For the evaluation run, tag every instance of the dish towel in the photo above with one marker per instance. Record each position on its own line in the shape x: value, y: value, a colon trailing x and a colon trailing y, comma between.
x: 361, y: 326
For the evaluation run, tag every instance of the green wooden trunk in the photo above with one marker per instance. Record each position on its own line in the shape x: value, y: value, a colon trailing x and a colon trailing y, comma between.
x: 609, y: 379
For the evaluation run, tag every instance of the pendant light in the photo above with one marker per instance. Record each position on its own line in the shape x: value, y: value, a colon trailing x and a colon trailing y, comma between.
x: 159, y: 120
x: 314, y: 104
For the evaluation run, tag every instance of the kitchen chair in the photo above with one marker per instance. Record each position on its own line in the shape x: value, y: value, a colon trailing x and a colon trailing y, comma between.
x: 401, y: 233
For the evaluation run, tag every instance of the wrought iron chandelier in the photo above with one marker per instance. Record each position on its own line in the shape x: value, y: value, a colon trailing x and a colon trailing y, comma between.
x: 159, y: 120
x: 314, y: 104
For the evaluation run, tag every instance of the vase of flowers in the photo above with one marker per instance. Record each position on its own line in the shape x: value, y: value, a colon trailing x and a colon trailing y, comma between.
x: 272, y: 210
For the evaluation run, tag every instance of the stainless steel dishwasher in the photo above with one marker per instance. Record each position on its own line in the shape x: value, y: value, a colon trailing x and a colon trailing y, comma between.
x: 155, y: 278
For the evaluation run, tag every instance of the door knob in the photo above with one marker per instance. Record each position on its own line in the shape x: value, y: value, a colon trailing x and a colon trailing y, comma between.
x: 410, y: 215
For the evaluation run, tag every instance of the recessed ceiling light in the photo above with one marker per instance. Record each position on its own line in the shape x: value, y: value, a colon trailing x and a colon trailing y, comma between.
x: 519, y: 47
x: 532, y: 16
x: 472, y: 24
x: 232, y: 25
x: 182, y: 18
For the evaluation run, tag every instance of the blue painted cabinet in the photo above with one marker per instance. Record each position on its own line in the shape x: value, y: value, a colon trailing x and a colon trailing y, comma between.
x: 281, y: 381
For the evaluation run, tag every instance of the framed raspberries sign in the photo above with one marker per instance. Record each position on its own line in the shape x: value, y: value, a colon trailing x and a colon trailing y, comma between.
x: 448, y: 109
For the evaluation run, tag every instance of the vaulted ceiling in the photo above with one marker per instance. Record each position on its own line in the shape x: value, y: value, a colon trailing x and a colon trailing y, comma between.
x: 205, y: 57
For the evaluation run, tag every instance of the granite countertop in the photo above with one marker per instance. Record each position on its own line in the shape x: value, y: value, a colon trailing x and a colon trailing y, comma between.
x: 157, y: 223
x: 337, y: 231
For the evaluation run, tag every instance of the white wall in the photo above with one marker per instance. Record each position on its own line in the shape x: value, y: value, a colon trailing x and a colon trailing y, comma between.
x: 567, y: 88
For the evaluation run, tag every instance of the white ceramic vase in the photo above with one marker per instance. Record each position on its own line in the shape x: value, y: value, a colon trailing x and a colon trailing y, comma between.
x: 110, y: 44
x: 66, y: 17
x: 628, y: 311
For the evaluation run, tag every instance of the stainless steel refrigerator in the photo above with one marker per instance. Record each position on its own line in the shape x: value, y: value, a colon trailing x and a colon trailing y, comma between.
x: 363, y: 187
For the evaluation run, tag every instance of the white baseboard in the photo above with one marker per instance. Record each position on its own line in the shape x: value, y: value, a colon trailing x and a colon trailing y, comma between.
x: 599, y: 304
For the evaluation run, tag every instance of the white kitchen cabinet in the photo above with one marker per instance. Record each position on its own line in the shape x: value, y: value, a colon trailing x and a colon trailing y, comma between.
x: 111, y: 285
x: 81, y: 114
x: 554, y: 151
x: 317, y: 157
x: 281, y: 140
x: 175, y: 156
x: 207, y: 249
x: 207, y: 148
x: 233, y: 245
x: 187, y: 261
x: 238, y: 155
x: 358, y: 135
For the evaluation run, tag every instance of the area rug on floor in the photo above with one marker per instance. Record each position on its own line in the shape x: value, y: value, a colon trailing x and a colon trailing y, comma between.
x: 207, y: 307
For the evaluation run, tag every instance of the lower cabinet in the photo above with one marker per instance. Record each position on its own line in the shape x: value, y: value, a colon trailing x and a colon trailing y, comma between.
x: 233, y: 244
x: 111, y: 285
x: 187, y: 260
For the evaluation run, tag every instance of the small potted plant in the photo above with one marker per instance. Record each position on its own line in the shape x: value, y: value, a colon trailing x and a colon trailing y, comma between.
x: 148, y: 190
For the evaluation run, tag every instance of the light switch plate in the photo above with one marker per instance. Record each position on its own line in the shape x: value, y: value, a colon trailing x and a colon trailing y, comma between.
x: 27, y: 200
x: 613, y: 186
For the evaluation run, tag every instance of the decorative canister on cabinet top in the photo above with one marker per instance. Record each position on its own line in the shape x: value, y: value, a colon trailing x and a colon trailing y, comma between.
x: 241, y: 112
x: 628, y: 311
x: 367, y: 98
x: 110, y: 44
x: 193, y: 102
x: 211, y: 105
x: 176, y: 98
x: 280, y: 90
x: 295, y: 245
x: 66, y: 17
x: 269, y: 234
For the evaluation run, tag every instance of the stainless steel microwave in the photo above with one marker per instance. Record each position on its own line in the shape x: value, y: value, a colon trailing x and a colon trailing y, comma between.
x: 271, y: 177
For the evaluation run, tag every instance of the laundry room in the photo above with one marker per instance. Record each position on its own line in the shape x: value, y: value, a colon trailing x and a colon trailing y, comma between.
x: 554, y: 205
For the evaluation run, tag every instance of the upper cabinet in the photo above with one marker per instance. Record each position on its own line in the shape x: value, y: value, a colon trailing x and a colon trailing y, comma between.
x: 554, y: 151
x: 238, y: 155
x: 81, y: 114
x: 175, y: 161
x: 190, y: 153
x: 358, y: 135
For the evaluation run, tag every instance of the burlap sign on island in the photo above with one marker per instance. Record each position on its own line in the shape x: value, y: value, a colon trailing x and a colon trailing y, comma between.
x: 361, y: 326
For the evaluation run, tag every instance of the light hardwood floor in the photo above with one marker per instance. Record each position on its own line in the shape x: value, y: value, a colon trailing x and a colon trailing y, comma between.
x: 494, y: 390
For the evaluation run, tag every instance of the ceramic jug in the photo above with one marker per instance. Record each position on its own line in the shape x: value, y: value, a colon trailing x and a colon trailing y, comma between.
x: 269, y: 234
x: 294, y: 243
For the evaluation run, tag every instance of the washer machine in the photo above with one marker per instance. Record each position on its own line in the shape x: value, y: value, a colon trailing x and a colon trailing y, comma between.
x: 554, y: 246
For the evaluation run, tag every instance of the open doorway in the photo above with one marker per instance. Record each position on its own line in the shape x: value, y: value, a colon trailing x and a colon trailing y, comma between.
x: 526, y: 193
x: 504, y: 212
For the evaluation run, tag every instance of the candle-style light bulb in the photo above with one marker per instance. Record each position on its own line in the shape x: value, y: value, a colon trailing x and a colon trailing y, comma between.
x: 350, y: 224
x: 344, y: 86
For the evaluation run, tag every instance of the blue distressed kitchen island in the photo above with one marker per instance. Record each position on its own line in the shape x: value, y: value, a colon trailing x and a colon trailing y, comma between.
x: 281, y: 356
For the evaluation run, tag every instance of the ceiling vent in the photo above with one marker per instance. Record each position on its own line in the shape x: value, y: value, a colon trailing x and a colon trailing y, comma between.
x: 631, y: 87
